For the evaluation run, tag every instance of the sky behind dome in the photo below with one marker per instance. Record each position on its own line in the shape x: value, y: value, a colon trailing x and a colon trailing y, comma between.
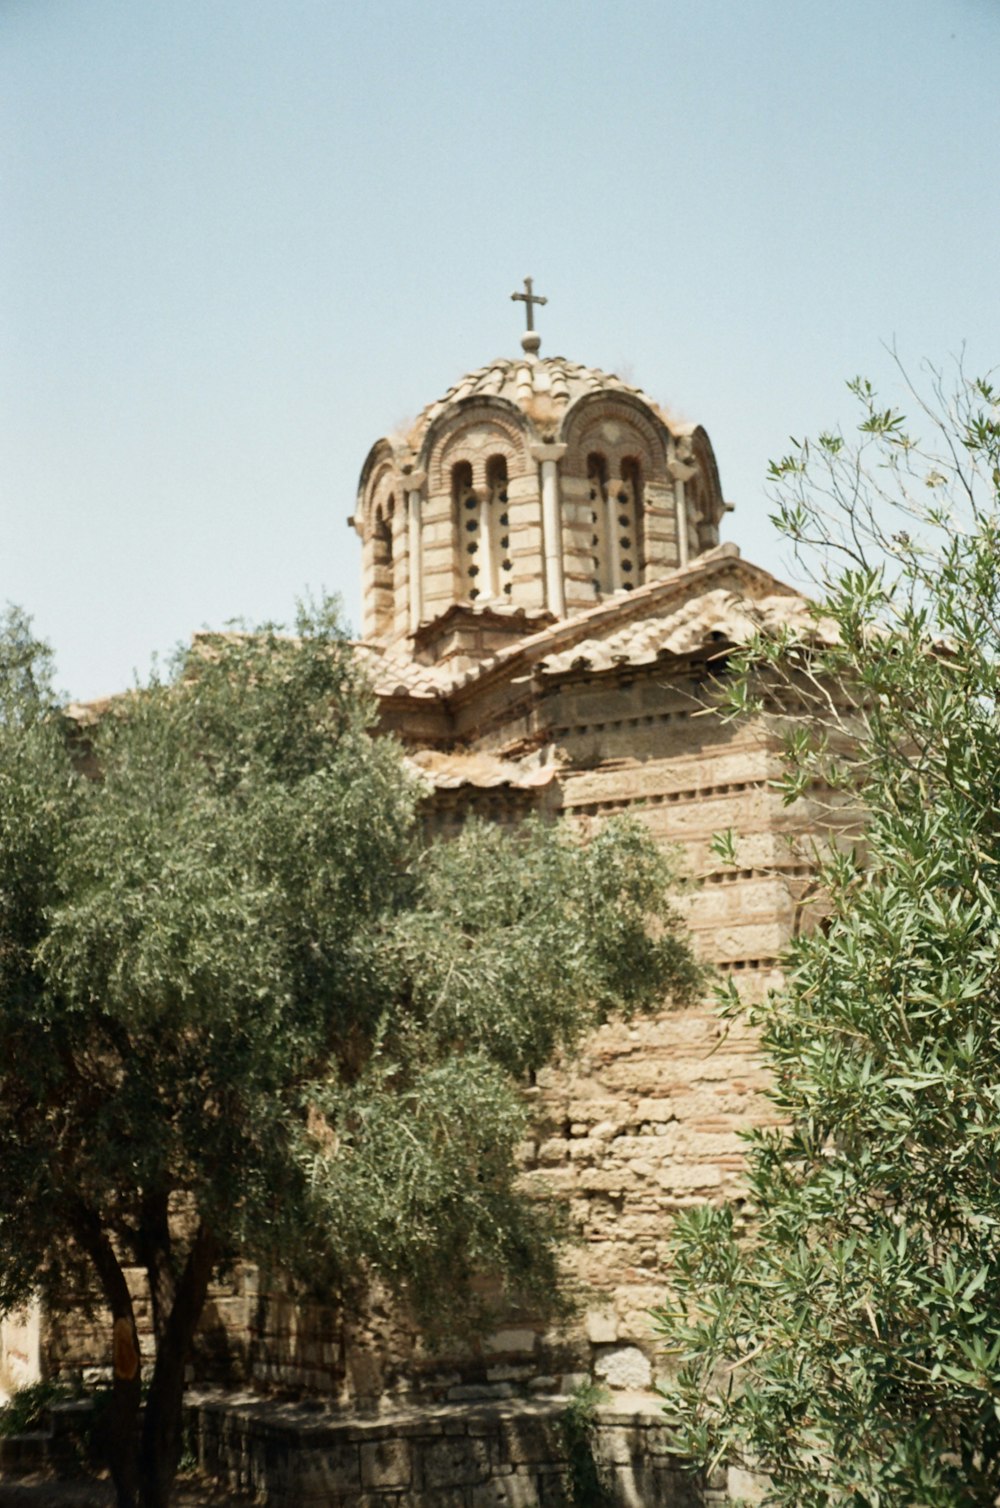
x: 245, y: 238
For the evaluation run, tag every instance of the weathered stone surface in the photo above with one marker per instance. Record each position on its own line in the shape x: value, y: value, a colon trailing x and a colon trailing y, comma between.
x: 386, y: 1463
x: 493, y: 1456
x: 456, y: 1462
x: 519, y: 1490
x: 623, y: 1367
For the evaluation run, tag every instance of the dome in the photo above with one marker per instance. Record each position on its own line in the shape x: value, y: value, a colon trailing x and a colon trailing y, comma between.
x: 534, y: 486
x: 543, y: 388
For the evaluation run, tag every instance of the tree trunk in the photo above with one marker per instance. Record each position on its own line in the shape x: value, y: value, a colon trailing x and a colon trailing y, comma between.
x: 162, y: 1432
x: 122, y: 1428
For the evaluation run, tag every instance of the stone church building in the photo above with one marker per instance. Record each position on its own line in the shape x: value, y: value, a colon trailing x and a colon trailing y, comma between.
x: 547, y: 608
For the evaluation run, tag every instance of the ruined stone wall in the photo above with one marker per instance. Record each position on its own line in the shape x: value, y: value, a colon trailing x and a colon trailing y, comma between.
x: 500, y: 1456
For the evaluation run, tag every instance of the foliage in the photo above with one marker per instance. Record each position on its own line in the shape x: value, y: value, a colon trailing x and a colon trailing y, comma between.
x: 846, y: 1339
x: 244, y: 1013
x: 27, y: 1406
x: 587, y: 1485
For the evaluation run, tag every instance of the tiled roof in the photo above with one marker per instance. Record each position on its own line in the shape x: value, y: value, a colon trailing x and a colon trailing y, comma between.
x: 718, y: 617
x: 449, y: 771
x: 393, y: 675
x: 523, y: 380
x: 678, y: 615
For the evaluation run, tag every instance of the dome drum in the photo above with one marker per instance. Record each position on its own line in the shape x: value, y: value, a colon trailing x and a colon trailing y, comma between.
x: 532, y: 486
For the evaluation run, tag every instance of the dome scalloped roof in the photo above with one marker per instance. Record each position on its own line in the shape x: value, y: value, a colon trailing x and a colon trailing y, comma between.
x: 531, y: 383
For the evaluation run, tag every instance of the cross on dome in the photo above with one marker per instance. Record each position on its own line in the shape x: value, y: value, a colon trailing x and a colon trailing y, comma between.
x: 530, y: 340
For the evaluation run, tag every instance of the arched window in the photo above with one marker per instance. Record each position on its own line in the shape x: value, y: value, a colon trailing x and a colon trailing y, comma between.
x: 629, y: 524
x: 702, y: 519
x: 495, y: 525
x: 468, y: 533
x: 616, y: 513
x: 597, y: 475
x: 382, y: 578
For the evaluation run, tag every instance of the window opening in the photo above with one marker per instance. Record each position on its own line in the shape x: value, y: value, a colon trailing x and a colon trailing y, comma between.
x: 629, y: 523
x: 468, y: 533
x: 495, y: 529
x: 382, y: 566
x: 601, y: 558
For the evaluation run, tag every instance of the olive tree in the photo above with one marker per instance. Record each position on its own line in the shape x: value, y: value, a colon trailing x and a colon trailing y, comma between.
x: 245, y: 1013
x: 842, y: 1334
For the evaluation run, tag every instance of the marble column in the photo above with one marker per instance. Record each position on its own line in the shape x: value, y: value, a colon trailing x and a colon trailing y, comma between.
x: 548, y: 457
x: 414, y: 483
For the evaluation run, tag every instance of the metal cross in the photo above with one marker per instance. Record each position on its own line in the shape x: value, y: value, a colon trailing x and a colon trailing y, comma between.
x: 531, y: 299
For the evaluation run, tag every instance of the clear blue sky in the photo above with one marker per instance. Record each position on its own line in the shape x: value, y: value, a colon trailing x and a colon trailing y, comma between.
x: 244, y: 238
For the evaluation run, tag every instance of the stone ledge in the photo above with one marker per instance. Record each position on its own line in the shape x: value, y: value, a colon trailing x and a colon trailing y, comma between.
x: 508, y: 1453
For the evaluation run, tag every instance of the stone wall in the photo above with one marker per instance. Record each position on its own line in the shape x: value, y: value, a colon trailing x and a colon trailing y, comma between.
x: 20, y: 1347
x: 487, y: 1456
x: 643, y: 1122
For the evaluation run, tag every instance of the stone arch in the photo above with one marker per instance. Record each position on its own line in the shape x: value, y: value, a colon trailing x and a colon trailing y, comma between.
x: 380, y: 459
x: 618, y: 424
x: 382, y: 518
x: 615, y: 446
x: 473, y: 431
x: 703, y: 493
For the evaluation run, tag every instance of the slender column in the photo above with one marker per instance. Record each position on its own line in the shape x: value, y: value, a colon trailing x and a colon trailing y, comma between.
x: 548, y: 458
x: 414, y: 483
x: 681, y: 468
x: 612, y: 508
x: 680, y: 513
x: 488, y: 570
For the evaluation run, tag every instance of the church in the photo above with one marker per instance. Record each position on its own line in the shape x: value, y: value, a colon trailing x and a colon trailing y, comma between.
x: 548, y: 610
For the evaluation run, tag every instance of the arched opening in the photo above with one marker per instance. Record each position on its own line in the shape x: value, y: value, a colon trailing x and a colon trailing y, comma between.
x: 629, y: 524
x: 703, y: 519
x: 495, y: 526
x: 383, y: 584
x: 597, y: 476
x: 468, y: 534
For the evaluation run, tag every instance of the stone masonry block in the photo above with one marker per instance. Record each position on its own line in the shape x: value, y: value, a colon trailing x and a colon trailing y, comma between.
x: 329, y: 1469
x: 519, y: 1490
x: 386, y: 1463
x: 525, y: 1440
x: 456, y: 1462
x: 601, y: 1325
x: 510, y: 1340
x: 704, y: 1176
x: 657, y: 1486
x: 623, y: 1367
